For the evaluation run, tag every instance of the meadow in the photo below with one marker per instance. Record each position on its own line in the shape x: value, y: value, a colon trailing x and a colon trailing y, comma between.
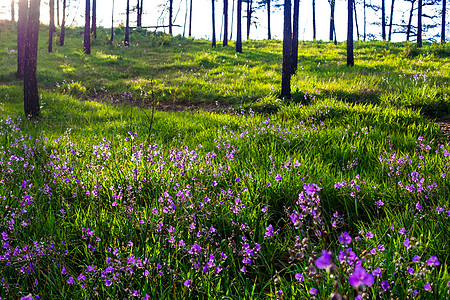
x: 171, y: 170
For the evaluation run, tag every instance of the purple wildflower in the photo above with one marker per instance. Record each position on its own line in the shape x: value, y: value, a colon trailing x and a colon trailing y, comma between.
x: 324, y: 261
x: 345, y: 238
x: 360, y: 277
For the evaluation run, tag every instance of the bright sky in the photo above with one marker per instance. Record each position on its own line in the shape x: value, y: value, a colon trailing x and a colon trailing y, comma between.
x: 201, y: 28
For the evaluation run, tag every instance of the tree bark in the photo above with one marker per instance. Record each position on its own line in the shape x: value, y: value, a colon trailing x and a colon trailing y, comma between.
x: 419, y: 24
x: 239, y: 27
x: 408, y: 30
x: 332, y: 4
x: 94, y: 18
x: 87, y: 28
x: 30, y: 88
x: 63, y: 25
x: 22, y: 22
x: 170, y: 15
x: 314, y: 18
x: 365, y: 20
x: 444, y: 11
x: 13, y: 12
x: 356, y: 20
x: 190, y: 19
x: 127, y: 25
x: 138, y: 8
x: 249, y: 17
x: 269, y: 34
x: 350, y: 58
x: 112, y: 23
x: 383, y: 20
x: 57, y: 12
x: 294, y: 45
x: 391, y: 20
x: 51, y: 27
x: 287, y: 52
x: 225, y: 22
x: 213, y: 24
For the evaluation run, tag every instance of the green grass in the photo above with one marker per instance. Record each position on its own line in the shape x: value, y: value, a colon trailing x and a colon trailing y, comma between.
x: 103, y: 159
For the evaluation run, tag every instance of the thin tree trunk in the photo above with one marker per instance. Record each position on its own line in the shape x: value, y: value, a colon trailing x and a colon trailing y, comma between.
x: 57, y: 12
x: 232, y: 19
x: 21, y: 36
x: 127, y: 25
x: 112, y: 23
x: 13, y: 13
x: 444, y: 11
x: 87, y: 28
x: 185, y: 19
x: 419, y: 24
x: 170, y: 15
x: 287, y: 52
x: 365, y: 20
x: 383, y: 20
x: 141, y: 11
x: 138, y: 21
x: 63, y: 25
x: 190, y: 19
x: 239, y: 27
x: 269, y: 34
x: 94, y: 18
x: 213, y: 24
x: 408, y: 30
x: 350, y: 58
x: 294, y: 45
x: 30, y: 88
x: 225, y: 22
x: 391, y: 20
x: 314, y: 18
x: 332, y: 3
x: 249, y: 17
x: 51, y: 27
x: 356, y: 20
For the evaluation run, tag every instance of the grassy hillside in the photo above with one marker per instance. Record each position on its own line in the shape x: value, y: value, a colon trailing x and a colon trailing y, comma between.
x: 115, y: 193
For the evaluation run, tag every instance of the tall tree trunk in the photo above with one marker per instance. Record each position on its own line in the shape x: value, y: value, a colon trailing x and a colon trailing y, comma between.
x: 356, y: 20
x: 419, y: 24
x: 127, y: 25
x: 232, y: 19
x: 51, y: 27
x: 287, y: 55
x: 213, y: 24
x: 170, y: 15
x: 141, y: 11
x: 190, y: 19
x: 314, y: 18
x: 225, y: 22
x: 294, y: 45
x: 112, y: 23
x: 383, y: 20
x: 391, y: 20
x: 63, y: 25
x: 332, y: 4
x: 444, y: 11
x: 30, y: 88
x: 13, y: 12
x: 138, y: 8
x: 408, y: 29
x: 249, y: 17
x: 350, y: 58
x: 94, y: 18
x: 239, y: 27
x: 57, y: 12
x: 87, y: 28
x: 269, y: 34
x: 22, y: 22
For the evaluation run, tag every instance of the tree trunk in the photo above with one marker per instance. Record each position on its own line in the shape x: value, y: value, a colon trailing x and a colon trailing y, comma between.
x: 87, y: 28
x: 287, y: 52
x: 356, y: 20
x: 408, y: 30
x: 51, y: 27
x: 57, y: 12
x: 138, y: 21
x: 239, y: 27
x: 391, y: 20
x: 225, y: 22
x: 127, y: 25
x: 294, y: 45
x: 350, y: 59
x: 190, y: 19
x: 170, y: 15
x: 269, y: 34
x: 213, y: 24
x: 365, y: 20
x: 249, y: 17
x: 383, y: 20
x: 332, y: 3
x: 63, y: 25
x: 443, y: 21
x: 314, y: 18
x: 419, y: 24
x: 13, y: 13
x: 141, y: 9
x: 30, y: 88
x: 21, y: 36
x: 94, y: 18
x: 232, y: 19
x: 112, y: 23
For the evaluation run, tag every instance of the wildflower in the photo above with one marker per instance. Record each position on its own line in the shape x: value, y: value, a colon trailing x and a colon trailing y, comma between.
x: 360, y: 278
x: 411, y: 271
x: 300, y: 277
x: 313, y: 291
x: 369, y: 235
x: 377, y: 272
x: 269, y: 232
x: 407, y: 243
x: 416, y: 258
x: 278, y: 178
x: 63, y: 271
x: 81, y: 277
x: 70, y: 280
x: 29, y: 297
x: 418, y: 206
x: 345, y: 238
x: 108, y: 282
x: 433, y: 261
x: 385, y: 285
x: 324, y: 261
x: 427, y: 287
